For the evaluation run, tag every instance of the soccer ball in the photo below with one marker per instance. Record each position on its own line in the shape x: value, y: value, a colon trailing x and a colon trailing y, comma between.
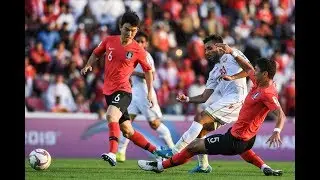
x: 39, y: 159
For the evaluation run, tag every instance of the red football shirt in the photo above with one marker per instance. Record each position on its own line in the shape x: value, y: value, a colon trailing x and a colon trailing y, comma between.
x: 120, y: 62
x: 256, y: 106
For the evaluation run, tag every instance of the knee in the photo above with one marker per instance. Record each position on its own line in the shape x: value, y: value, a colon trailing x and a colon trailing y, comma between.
x: 154, y: 124
x: 111, y: 118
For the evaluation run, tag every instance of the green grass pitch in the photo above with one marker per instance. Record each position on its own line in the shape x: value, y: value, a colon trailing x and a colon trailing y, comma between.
x: 65, y: 169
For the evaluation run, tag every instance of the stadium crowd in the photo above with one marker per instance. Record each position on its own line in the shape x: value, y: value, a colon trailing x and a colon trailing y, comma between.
x: 61, y: 34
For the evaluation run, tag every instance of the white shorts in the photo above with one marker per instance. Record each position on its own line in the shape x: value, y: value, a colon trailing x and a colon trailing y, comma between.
x: 140, y: 105
x: 225, y: 109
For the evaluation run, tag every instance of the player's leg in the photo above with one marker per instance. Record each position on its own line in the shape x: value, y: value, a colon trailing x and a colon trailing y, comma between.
x: 203, y: 161
x: 213, y: 145
x: 153, y: 116
x: 117, y: 105
x: 113, y: 116
x: 123, y: 142
x: 194, y: 130
x: 182, y: 157
x: 224, y: 111
x: 254, y: 159
x: 136, y: 137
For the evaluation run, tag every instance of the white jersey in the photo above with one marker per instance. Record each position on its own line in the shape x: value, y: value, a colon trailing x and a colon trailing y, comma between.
x: 227, y: 98
x: 227, y: 66
x: 139, y: 85
x: 139, y: 103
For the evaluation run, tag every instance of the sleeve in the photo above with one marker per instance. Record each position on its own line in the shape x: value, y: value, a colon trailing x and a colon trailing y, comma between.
x: 143, y: 61
x: 101, y: 48
x: 271, y: 101
x: 151, y: 62
x: 212, y: 82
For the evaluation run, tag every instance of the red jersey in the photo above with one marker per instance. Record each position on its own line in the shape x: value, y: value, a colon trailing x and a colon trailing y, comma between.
x: 120, y: 62
x: 258, y: 103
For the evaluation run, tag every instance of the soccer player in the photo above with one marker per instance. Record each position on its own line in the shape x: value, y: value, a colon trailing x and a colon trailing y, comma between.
x: 122, y: 55
x: 239, y: 139
x: 223, y: 107
x: 140, y: 103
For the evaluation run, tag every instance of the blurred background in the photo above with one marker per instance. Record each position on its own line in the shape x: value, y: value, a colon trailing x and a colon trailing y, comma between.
x: 61, y: 34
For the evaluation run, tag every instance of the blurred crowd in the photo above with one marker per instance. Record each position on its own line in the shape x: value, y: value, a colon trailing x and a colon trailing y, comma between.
x: 61, y: 34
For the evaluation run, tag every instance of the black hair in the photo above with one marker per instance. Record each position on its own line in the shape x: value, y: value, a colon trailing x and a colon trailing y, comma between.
x: 130, y: 17
x: 267, y: 65
x: 143, y: 34
x: 214, y: 37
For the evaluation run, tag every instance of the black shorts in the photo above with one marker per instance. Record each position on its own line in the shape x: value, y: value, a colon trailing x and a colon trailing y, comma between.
x: 121, y: 100
x: 226, y: 144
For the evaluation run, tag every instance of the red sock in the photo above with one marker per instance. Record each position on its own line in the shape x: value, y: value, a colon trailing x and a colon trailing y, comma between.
x: 177, y: 159
x: 114, y: 134
x: 252, y: 158
x: 139, y: 140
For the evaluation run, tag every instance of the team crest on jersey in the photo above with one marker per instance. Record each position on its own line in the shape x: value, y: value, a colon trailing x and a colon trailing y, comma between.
x: 255, y: 95
x: 129, y: 55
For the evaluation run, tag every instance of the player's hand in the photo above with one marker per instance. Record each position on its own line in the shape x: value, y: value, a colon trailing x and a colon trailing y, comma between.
x: 149, y: 97
x: 275, y: 140
x: 227, y: 78
x: 85, y: 69
x: 182, y: 98
x: 224, y: 47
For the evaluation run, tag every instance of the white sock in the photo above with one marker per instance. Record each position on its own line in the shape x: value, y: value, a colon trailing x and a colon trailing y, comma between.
x: 123, y: 144
x: 203, y: 159
x: 264, y: 166
x: 165, y: 134
x: 187, y: 137
x: 159, y: 165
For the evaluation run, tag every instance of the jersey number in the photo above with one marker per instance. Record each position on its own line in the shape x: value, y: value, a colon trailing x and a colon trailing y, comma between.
x: 213, y: 140
x: 117, y: 98
x: 110, y: 56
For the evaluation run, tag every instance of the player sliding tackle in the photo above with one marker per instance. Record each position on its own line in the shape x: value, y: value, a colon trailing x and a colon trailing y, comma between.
x: 240, y: 138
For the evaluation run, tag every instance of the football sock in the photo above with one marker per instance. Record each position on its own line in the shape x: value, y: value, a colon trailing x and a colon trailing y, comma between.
x: 123, y: 144
x: 187, y: 137
x: 165, y: 134
x: 252, y: 158
x: 177, y: 159
x: 114, y: 134
x: 203, y: 159
x: 139, y: 140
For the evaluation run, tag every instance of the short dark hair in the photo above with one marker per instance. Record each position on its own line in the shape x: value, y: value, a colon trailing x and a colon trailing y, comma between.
x: 143, y: 34
x: 214, y: 37
x: 130, y: 17
x: 267, y: 65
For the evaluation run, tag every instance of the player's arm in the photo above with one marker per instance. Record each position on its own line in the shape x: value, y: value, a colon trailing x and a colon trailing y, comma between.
x: 95, y: 56
x: 151, y: 63
x: 196, y: 99
x: 273, y: 104
x: 148, y: 74
x: 243, y: 63
x: 239, y: 75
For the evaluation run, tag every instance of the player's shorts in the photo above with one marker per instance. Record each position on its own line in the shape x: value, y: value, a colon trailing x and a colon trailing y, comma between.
x: 140, y: 105
x: 224, y: 109
x: 226, y: 144
x: 121, y: 100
